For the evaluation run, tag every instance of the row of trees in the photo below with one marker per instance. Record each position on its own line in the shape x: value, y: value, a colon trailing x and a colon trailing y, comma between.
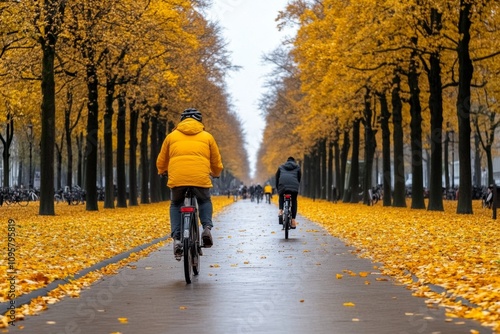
x: 85, y: 71
x: 403, y: 73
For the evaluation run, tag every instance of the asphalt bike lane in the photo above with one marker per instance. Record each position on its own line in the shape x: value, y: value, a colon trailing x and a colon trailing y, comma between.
x: 251, y: 281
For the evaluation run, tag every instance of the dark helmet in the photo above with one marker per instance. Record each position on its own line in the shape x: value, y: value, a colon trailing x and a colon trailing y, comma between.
x: 191, y: 113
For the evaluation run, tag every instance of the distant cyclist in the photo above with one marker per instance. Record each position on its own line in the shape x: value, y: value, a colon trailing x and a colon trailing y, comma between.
x: 268, y: 191
x: 189, y: 156
x: 259, y: 192
x: 288, y: 178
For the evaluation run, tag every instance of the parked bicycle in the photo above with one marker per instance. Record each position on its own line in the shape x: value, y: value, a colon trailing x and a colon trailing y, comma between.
x: 73, y: 196
x: 190, y: 236
x: 376, y: 194
x: 18, y: 196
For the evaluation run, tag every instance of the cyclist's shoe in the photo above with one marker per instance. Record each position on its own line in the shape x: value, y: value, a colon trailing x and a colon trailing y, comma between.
x: 207, y: 237
x: 293, y: 225
x: 177, y: 249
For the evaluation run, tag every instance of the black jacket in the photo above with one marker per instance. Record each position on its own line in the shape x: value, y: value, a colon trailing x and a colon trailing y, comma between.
x: 288, y: 177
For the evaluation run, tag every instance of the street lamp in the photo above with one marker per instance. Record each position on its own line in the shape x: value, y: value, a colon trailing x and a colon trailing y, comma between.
x: 452, y: 133
x: 30, y: 139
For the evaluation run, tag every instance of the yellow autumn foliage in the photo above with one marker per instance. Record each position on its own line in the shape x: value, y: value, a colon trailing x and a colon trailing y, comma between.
x: 460, y: 253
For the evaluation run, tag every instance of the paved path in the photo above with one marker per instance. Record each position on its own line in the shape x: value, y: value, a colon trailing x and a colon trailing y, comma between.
x: 251, y: 281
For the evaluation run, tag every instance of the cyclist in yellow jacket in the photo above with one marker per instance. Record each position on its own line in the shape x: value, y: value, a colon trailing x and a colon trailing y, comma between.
x: 268, y: 191
x: 189, y: 156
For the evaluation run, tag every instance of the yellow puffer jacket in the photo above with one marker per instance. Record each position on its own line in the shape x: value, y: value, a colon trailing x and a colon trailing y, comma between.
x: 189, y: 155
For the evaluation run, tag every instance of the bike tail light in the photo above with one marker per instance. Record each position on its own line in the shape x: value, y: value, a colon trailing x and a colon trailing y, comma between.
x: 187, y: 209
x: 287, y: 196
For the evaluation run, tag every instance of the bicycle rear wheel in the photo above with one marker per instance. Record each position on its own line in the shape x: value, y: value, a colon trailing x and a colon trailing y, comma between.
x: 188, y: 260
x: 195, y: 260
x: 286, y: 223
x: 196, y: 248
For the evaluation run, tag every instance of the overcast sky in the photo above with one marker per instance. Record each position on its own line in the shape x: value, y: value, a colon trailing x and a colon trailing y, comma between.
x: 250, y: 28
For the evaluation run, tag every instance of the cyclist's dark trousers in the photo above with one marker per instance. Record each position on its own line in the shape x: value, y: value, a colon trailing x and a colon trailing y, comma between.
x: 294, y: 202
x: 204, y: 206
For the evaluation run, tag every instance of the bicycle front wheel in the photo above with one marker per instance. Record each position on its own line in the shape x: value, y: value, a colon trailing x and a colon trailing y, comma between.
x: 188, y: 260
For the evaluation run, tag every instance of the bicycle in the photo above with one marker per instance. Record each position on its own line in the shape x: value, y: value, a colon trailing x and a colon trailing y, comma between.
x: 190, y: 235
x: 287, y: 214
x: 18, y: 196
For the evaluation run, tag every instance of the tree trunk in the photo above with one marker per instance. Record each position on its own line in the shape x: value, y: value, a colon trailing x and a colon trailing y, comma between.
x: 48, y: 120
x: 399, y: 197
x: 92, y: 138
x: 330, y: 172
x: 68, y: 131
x: 162, y: 132
x: 121, y: 179
x: 7, y: 142
x: 343, y: 167
x: 59, y: 158
x: 353, y: 190
x: 154, y: 179
x: 109, y: 188
x: 144, y: 160
x: 20, y: 174
x: 489, y: 161
x: 446, y: 160
x: 465, y: 71
x: 323, y: 172
x: 338, y: 176
x: 132, y: 174
x: 316, y: 171
x: 370, y: 146
x: 477, y: 162
x: 79, y: 144
x: 417, y: 187
x: 436, y: 109
x: 386, y: 149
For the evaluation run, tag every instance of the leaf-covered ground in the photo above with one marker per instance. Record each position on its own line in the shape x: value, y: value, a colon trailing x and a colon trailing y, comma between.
x: 460, y: 253
x: 421, y: 248
x: 48, y: 248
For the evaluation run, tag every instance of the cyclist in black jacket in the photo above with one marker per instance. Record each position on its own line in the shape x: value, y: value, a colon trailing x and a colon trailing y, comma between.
x: 287, y: 182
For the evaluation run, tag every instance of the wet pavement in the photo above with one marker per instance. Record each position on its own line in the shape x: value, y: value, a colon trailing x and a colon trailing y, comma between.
x: 251, y: 281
